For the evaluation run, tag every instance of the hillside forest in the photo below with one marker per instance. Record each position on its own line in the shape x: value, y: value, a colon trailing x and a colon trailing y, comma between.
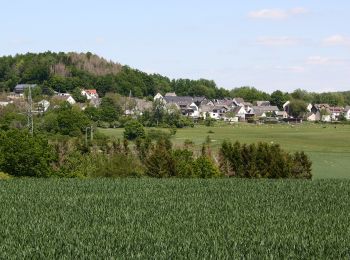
x: 64, y: 72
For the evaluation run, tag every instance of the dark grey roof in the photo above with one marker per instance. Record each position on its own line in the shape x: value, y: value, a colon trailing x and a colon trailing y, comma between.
x: 199, y: 99
x: 239, y: 100
x: 235, y: 110
x: 21, y: 87
x: 179, y: 100
x: 263, y: 103
x: 265, y: 108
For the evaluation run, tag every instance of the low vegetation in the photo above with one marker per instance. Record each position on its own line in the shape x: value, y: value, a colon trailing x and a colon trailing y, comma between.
x: 262, y: 160
x: 45, y: 155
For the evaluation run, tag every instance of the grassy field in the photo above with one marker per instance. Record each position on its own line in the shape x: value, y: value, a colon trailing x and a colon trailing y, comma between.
x: 327, y: 145
x: 174, y: 218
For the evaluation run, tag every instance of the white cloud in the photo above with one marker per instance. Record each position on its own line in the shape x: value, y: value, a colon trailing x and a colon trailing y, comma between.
x: 319, y: 60
x: 337, y: 39
x: 298, y: 10
x: 269, y: 14
x: 277, y: 14
x: 296, y: 69
x: 278, y: 41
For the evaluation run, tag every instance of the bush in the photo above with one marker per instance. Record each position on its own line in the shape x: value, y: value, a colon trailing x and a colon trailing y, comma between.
x: 77, y: 164
x: 184, y: 163
x: 204, y: 167
x: 116, y: 165
x: 24, y: 155
x: 65, y: 120
x: 4, y: 176
x: 133, y: 130
x: 262, y: 161
x: 103, y: 124
x: 209, y: 121
x: 163, y: 161
x: 160, y: 163
x: 155, y: 134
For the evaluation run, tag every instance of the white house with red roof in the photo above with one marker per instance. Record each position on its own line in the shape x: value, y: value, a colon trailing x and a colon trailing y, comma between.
x: 89, y: 93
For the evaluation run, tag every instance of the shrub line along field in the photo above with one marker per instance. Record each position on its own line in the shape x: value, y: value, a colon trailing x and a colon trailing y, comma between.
x: 327, y: 145
x: 174, y: 218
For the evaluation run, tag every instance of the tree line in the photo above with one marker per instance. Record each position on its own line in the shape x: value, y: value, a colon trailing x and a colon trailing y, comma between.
x: 43, y: 155
x: 65, y: 72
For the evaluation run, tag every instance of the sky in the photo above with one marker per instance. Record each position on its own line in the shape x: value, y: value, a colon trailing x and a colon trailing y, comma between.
x: 268, y: 44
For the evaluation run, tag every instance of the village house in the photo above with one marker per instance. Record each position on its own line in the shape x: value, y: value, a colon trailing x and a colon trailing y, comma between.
x: 236, y: 114
x: 158, y: 96
x: 215, y: 112
x: 89, y: 93
x: 281, y: 115
x: 321, y: 112
x: 238, y: 102
x: 42, y: 106
x: 188, y: 106
x: 138, y: 106
x: 5, y: 103
x: 262, y: 103
x: 64, y: 97
x: 347, y: 112
x: 225, y: 102
x: 335, y: 112
x: 20, y: 88
x: 264, y: 110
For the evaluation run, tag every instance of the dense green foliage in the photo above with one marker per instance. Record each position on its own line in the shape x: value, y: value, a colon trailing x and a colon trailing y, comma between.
x: 65, y: 120
x: 68, y: 71
x: 133, y: 129
x: 172, y: 219
x: 24, y: 155
x: 160, y: 115
x: 297, y: 108
x: 164, y: 161
x: 262, y: 161
x: 249, y: 94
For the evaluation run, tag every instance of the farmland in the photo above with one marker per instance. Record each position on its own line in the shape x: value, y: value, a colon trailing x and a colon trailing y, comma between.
x: 174, y: 218
x: 327, y: 145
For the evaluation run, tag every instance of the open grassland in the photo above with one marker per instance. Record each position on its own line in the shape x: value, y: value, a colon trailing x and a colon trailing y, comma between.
x: 327, y: 145
x: 174, y: 218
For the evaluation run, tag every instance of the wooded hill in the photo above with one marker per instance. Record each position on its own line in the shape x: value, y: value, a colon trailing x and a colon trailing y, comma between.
x: 65, y: 72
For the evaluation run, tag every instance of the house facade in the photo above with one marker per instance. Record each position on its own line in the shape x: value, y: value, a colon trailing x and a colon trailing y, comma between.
x: 89, y: 93
x: 347, y: 112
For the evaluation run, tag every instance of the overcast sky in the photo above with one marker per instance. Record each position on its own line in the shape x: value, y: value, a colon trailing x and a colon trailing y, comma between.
x: 270, y: 44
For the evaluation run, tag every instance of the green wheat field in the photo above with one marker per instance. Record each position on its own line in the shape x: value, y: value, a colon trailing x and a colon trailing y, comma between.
x: 174, y: 219
x: 189, y: 218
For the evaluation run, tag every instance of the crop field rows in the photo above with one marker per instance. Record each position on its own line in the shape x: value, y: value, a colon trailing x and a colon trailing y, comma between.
x: 174, y: 218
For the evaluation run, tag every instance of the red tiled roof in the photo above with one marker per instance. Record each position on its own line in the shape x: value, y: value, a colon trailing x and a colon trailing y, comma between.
x: 91, y: 91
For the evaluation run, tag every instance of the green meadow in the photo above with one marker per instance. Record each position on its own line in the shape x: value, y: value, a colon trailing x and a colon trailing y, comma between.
x: 327, y: 145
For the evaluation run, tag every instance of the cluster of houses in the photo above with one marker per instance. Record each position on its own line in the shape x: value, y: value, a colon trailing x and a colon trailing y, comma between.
x: 227, y: 109
x: 43, y: 105
x: 236, y: 109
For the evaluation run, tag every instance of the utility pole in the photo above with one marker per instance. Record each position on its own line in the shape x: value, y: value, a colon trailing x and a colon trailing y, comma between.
x: 91, y: 134
x: 30, y: 111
